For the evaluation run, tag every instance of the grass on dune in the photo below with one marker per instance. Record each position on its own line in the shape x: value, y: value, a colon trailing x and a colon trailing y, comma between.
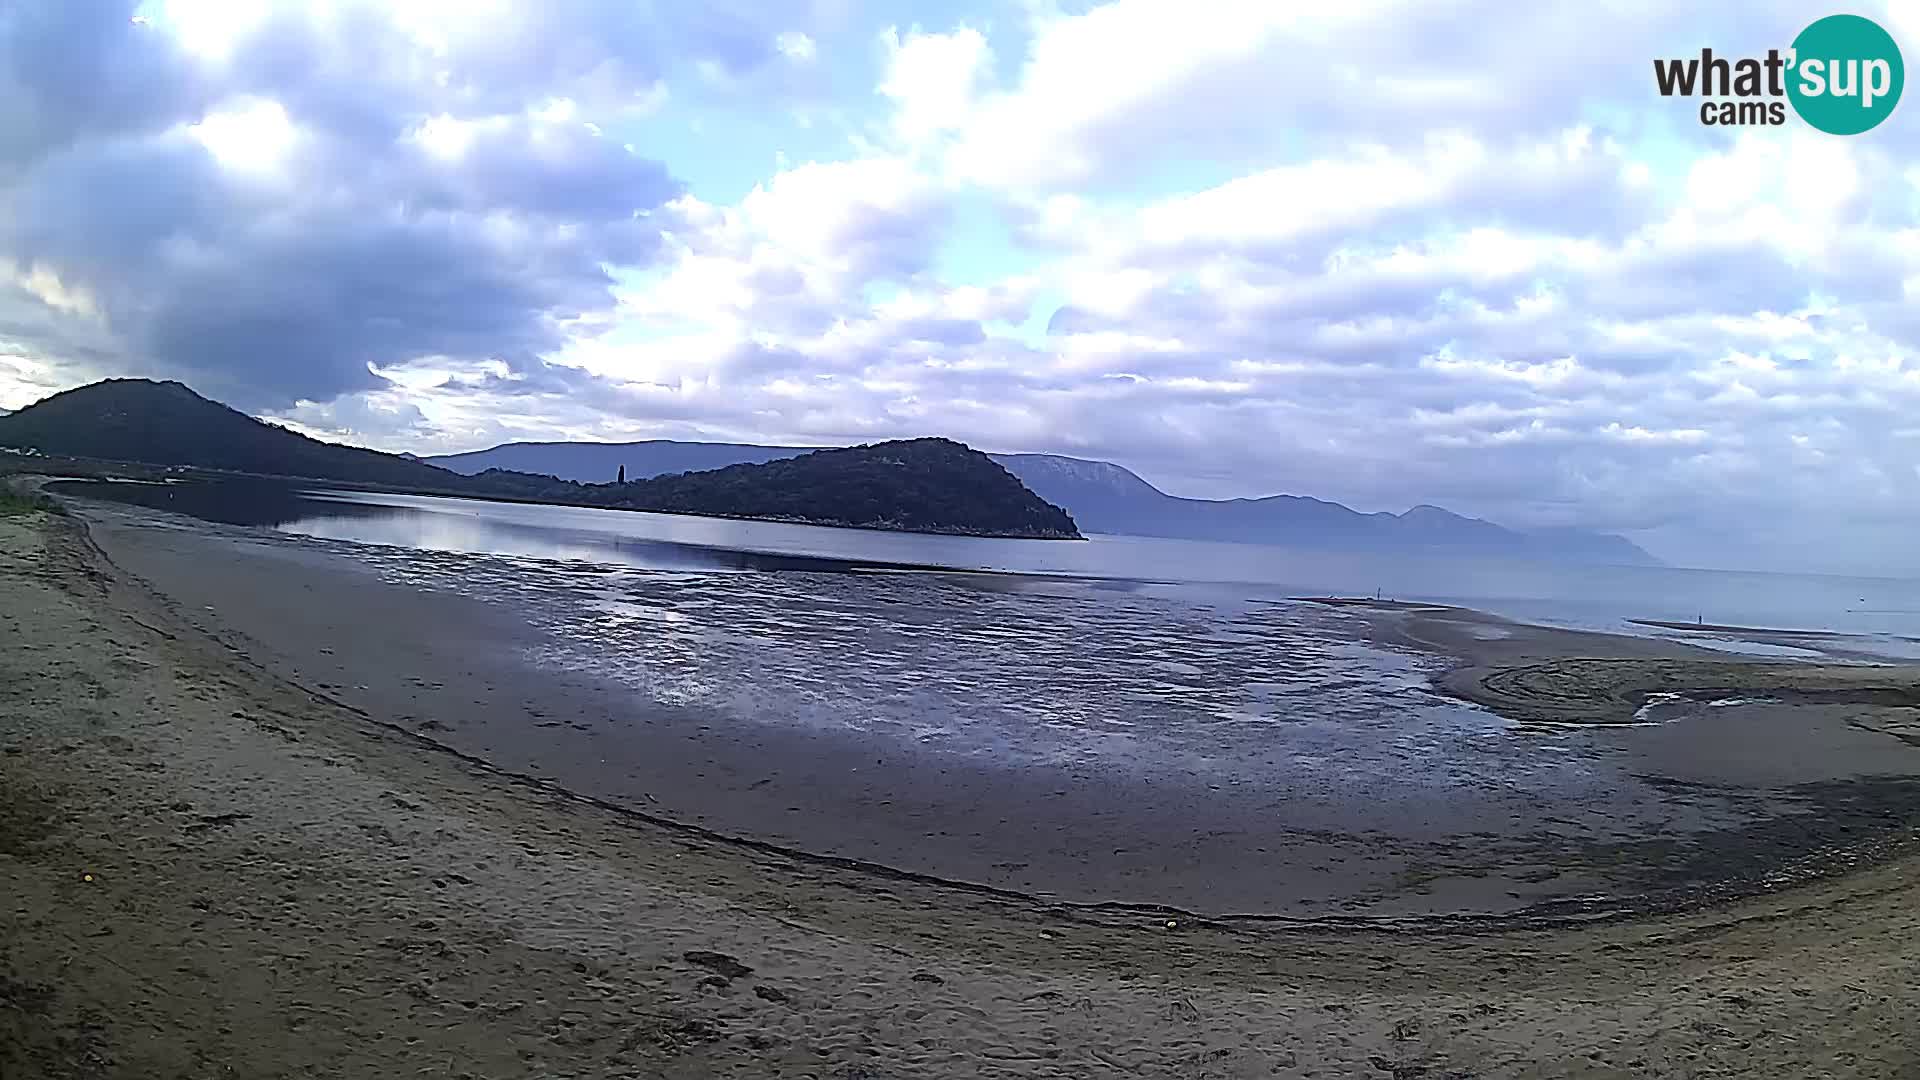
x: 13, y: 503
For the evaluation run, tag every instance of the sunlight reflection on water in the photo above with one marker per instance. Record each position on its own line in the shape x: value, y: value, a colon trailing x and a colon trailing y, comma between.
x: 1053, y: 672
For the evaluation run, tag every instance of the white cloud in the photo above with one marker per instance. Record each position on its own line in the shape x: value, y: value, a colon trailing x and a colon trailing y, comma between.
x: 793, y: 255
x: 43, y: 283
x: 933, y: 79
x: 211, y: 29
x: 1131, y: 85
x: 1116, y: 72
x: 795, y: 46
x: 1381, y: 252
x: 252, y: 136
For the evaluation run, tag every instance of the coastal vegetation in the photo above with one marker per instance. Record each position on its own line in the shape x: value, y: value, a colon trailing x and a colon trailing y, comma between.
x: 13, y: 503
x: 920, y: 485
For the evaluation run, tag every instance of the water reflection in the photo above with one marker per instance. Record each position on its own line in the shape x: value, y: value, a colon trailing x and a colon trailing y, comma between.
x: 1605, y: 598
x: 1192, y: 742
x: 457, y: 525
x: 236, y: 502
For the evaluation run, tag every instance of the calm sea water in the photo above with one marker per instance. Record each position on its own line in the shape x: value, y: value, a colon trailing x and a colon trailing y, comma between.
x: 1580, y: 596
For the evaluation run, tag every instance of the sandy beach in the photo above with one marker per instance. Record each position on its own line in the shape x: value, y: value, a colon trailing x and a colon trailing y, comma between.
x: 209, y: 868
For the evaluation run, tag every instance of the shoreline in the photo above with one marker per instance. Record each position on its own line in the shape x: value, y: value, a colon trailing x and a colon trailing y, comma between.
x: 447, y: 670
x: 1743, y: 631
x: 116, y: 470
x: 262, y: 861
x: 1550, y: 676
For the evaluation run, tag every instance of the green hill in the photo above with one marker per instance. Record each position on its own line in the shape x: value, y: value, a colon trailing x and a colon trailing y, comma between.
x: 922, y: 485
x: 919, y: 485
x: 165, y: 423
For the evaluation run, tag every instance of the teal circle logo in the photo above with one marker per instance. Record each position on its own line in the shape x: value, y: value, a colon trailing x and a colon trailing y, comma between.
x: 1847, y: 75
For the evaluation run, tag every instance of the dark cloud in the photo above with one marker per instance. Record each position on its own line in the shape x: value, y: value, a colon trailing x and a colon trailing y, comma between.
x: 1466, y: 270
x: 364, y: 243
x: 562, y: 170
x: 83, y: 69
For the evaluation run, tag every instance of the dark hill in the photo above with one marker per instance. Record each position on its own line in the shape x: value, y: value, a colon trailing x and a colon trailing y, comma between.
x: 599, y: 463
x: 1106, y: 498
x: 164, y: 423
x: 925, y: 485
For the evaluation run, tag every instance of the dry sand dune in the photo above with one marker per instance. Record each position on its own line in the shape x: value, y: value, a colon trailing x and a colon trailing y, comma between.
x: 206, y: 872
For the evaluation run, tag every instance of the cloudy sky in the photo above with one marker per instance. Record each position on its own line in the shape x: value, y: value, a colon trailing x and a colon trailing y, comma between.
x: 1384, y: 253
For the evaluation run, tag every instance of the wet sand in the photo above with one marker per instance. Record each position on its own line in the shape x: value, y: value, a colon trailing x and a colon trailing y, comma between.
x: 1740, y: 631
x: 1543, y: 675
x: 208, y: 871
x: 1086, y: 830
x: 448, y: 668
x: 1674, y: 828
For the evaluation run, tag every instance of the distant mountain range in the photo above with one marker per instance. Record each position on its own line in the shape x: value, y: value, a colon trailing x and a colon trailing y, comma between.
x: 1106, y: 498
x: 921, y: 484
x: 924, y: 485
x: 597, y: 463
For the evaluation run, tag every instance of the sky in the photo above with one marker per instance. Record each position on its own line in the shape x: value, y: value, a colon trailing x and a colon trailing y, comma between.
x: 1383, y: 253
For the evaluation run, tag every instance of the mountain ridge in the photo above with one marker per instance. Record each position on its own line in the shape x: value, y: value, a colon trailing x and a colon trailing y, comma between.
x: 129, y: 419
x: 927, y: 484
x: 674, y: 456
x: 1104, y: 497
x: 167, y: 423
x: 920, y: 485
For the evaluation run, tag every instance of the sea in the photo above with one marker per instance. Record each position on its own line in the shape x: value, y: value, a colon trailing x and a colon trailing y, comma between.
x: 1161, y: 701
x: 1616, y: 599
